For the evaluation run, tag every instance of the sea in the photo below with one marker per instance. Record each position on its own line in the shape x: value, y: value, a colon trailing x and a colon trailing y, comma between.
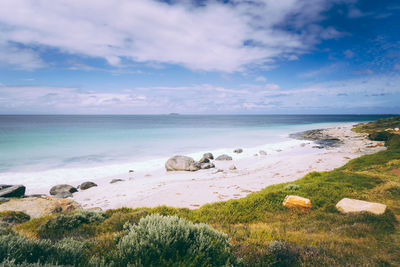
x: 38, y: 149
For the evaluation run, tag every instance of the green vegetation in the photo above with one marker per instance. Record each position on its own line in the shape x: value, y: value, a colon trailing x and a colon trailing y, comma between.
x: 261, y: 231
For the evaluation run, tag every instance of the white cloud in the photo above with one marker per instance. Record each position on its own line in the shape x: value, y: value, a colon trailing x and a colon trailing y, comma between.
x: 261, y: 79
x: 214, y: 36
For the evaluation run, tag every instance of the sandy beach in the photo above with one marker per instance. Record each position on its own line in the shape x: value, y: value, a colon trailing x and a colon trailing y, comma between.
x: 253, y: 172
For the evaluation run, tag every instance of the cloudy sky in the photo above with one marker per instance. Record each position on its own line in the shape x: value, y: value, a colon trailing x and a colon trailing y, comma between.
x: 199, y: 56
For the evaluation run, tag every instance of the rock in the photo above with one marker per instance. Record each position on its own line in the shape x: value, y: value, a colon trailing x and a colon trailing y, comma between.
x: 87, y: 185
x: 207, y: 165
x: 182, y: 163
x: 262, y: 153
x: 303, y: 144
x: 356, y: 150
x: 347, y: 205
x: 232, y: 168
x: 13, y: 191
x: 113, y: 181
x: 131, y: 171
x: 37, y: 207
x: 208, y: 156
x: 204, y: 160
x: 238, y: 150
x: 4, y: 199
x: 219, y: 170
x: 224, y: 157
x: 255, y: 155
x: 297, y: 202
x: 278, y: 150
x: 319, y: 136
x: 62, y: 189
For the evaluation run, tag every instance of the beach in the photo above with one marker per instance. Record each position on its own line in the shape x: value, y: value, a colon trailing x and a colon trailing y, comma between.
x: 251, y: 173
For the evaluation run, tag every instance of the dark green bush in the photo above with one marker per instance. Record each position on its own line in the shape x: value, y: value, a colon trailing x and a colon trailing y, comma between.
x: 282, y: 253
x: 14, y: 217
x: 172, y: 241
x: 71, y: 225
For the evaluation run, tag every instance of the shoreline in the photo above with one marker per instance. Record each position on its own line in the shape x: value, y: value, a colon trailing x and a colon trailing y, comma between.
x: 252, y: 173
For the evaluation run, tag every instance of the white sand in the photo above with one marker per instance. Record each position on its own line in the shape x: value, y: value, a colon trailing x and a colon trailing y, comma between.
x: 193, y: 189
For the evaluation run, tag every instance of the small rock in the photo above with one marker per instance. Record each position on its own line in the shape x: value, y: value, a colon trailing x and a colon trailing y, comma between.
x: 207, y: 165
x: 262, y: 153
x: 147, y: 175
x: 232, y: 168
x: 297, y: 202
x: 113, y: 181
x: 61, y: 189
x: 238, y: 150
x: 204, y: 160
x: 3, y: 186
x: 63, y: 195
x: 219, y: 170
x: 356, y: 150
x: 13, y: 191
x: 131, y: 171
x: 255, y: 155
x: 4, y: 199
x: 224, y: 157
x: 303, y: 144
x: 347, y: 205
x: 87, y: 185
x: 278, y: 150
x: 208, y: 156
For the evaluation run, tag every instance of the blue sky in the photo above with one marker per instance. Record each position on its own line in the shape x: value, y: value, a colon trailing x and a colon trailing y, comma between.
x: 199, y: 57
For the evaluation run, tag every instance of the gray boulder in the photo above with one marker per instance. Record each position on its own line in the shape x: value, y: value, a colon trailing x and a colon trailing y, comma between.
x: 62, y: 190
x: 238, y: 150
x: 182, y: 163
x: 3, y: 186
x: 87, y: 185
x: 224, y: 157
x: 262, y: 153
x: 13, y: 191
x: 208, y: 156
x: 63, y: 195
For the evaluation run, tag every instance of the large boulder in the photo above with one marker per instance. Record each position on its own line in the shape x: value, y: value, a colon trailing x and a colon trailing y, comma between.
x: 182, y: 163
x: 13, y: 191
x: 62, y: 189
x: 297, y: 202
x: 208, y: 156
x: 87, y: 185
x: 37, y: 207
x: 224, y: 157
x: 348, y: 205
x: 204, y: 160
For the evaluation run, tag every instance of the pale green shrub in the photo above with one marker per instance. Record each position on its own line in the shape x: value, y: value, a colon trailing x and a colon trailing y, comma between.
x: 165, y: 241
x: 292, y: 187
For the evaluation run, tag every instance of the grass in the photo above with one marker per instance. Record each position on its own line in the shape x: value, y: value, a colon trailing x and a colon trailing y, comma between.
x: 264, y: 233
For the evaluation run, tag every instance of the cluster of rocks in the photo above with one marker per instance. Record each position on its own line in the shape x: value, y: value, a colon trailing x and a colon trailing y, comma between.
x: 185, y: 163
x: 345, y: 206
x: 319, y: 136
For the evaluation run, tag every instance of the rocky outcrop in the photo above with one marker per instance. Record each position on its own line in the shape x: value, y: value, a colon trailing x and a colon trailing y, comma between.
x: 62, y: 191
x: 348, y: 205
x: 182, y: 163
x: 37, y: 207
x: 87, y: 185
x: 297, y: 202
x: 238, y: 150
x: 204, y: 160
x: 319, y: 136
x: 232, y: 168
x: 12, y: 191
x: 224, y: 157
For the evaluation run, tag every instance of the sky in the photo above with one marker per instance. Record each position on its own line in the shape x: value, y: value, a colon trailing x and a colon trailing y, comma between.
x: 199, y: 57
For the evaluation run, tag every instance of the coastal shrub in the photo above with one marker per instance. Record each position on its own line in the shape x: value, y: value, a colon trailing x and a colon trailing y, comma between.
x: 14, y: 217
x: 12, y: 263
x: 116, y: 220
x: 71, y: 225
x: 21, y: 249
x: 164, y: 241
x: 292, y: 187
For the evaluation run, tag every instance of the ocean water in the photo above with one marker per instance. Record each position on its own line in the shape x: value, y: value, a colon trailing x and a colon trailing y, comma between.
x: 41, y: 143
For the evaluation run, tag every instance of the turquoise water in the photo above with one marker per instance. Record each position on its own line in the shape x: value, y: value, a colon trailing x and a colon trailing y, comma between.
x: 36, y: 143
